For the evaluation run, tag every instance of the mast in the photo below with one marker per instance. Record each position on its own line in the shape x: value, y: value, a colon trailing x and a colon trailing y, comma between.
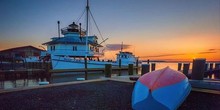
x: 87, y: 18
x: 87, y: 26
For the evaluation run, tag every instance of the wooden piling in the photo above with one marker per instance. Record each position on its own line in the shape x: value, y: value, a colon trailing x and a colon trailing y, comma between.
x: 136, y: 66
x: 206, y: 66
x: 86, y: 67
x: 34, y: 65
x: 179, y: 66
x: 217, y: 65
x: 40, y: 65
x: 29, y: 65
x: 108, y: 70
x: 211, y: 66
x: 206, y: 69
x: 153, y: 66
x: 198, y: 69
x: 186, y: 68
x: 48, y: 66
x: 145, y: 68
x: 119, y: 74
x: 130, y: 69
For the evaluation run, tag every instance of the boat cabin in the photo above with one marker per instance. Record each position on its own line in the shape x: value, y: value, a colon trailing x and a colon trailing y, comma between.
x: 126, y: 57
x: 73, y: 43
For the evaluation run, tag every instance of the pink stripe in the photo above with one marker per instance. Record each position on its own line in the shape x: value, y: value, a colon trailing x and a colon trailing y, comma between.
x: 161, y: 78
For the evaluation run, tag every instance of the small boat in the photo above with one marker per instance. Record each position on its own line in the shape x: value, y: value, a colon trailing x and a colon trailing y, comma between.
x: 70, y: 51
x: 163, y: 89
x: 43, y: 83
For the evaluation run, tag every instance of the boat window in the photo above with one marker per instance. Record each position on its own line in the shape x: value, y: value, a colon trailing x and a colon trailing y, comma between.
x: 74, y: 48
x: 52, y: 48
x: 91, y: 48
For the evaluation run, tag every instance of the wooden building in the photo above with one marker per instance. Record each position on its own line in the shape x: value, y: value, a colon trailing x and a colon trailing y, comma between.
x: 18, y: 53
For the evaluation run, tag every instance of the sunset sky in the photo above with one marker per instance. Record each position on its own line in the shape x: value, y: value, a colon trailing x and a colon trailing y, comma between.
x: 151, y: 29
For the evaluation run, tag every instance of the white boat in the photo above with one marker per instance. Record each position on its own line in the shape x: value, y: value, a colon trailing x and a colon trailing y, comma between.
x: 70, y: 51
x: 60, y: 62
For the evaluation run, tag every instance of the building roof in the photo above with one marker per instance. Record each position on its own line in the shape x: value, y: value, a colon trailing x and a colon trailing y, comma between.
x: 20, y: 48
x: 71, y: 40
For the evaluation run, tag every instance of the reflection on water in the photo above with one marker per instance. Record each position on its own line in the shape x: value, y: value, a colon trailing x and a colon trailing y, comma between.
x: 160, y: 65
x: 32, y: 79
x: 18, y: 83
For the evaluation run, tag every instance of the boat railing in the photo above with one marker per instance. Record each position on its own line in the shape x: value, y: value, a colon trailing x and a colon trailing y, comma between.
x: 96, y: 53
x: 69, y: 29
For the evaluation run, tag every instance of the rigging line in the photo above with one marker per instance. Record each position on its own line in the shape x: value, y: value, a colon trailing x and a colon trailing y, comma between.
x: 90, y: 27
x: 96, y: 25
x: 77, y: 21
x: 99, y: 31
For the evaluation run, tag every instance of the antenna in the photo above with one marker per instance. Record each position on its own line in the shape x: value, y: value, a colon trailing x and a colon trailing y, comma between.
x: 121, y: 46
x: 80, y: 30
x: 58, y: 23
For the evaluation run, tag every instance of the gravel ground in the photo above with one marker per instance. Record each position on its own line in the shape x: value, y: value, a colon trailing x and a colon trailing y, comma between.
x: 105, y: 95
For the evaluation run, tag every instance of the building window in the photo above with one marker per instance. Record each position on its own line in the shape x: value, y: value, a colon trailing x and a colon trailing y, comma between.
x: 52, y: 48
x: 74, y: 48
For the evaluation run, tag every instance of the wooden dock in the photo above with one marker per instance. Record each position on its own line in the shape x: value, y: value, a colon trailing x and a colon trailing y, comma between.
x: 22, y: 70
x: 88, y: 69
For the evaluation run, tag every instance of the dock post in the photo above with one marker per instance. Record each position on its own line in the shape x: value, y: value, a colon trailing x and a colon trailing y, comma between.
x: 198, y: 69
x: 130, y: 69
x: 145, y: 68
x: 86, y: 66
x: 137, y: 66
x: 41, y: 65
x: 30, y: 65
x: 119, y: 67
x: 186, y: 68
x: 34, y: 65
x: 217, y: 65
x: 206, y: 69
x: 108, y: 70
x: 206, y: 66
x: 211, y: 66
x: 153, y: 65
x: 179, y: 66
x: 38, y: 65
x: 27, y: 65
x: 48, y: 66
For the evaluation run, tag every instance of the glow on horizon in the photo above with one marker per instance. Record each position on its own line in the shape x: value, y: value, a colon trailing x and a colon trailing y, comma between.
x: 156, y: 29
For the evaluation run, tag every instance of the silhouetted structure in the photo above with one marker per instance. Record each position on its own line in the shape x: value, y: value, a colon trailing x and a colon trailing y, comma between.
x: 18, y: 53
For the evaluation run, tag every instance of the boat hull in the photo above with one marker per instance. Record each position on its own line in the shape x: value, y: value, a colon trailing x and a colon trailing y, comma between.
x: 163, y: 91
x: 67, y: 63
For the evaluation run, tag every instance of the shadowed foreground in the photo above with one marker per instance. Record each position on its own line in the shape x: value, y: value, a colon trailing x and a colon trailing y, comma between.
x: 104, y: 95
